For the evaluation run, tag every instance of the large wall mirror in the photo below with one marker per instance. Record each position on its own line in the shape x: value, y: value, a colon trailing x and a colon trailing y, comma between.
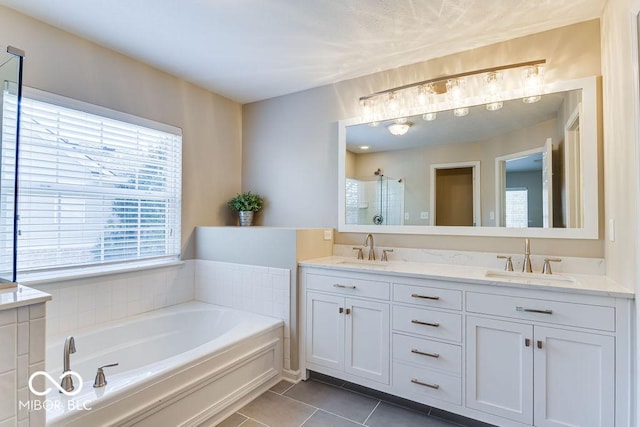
x: 528, y: 169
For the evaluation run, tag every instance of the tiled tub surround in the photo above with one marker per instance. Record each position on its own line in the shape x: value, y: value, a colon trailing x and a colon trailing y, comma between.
x: 22, y: 336
x: 374, y: 324
x: 260, y: 290
x: 92, y: 301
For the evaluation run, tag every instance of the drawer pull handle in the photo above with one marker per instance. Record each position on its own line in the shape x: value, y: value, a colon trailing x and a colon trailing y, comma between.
x: 422, y: 353
x: 533, y: 310
x: 338, y: 285
x: 420, y: 322
x: 424, y: 297
x: 434, y: 386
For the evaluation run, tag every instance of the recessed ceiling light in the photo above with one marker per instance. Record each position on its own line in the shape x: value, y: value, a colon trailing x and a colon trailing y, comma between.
x: 364, y: 147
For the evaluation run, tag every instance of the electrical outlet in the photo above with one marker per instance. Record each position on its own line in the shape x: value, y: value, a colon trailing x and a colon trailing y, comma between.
x: 328, y: 234
x: 424, y: 215
x: 492, y: 216
x: 406, y: 216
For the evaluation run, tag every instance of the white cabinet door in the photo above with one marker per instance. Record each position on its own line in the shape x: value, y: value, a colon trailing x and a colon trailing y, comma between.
x: 574, y: 378
x: 499, y: 368
x: 367, y: 339
x: 325, y: 330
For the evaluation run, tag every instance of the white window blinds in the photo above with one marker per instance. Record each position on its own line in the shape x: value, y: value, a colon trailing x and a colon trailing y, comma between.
x: 94, y: 189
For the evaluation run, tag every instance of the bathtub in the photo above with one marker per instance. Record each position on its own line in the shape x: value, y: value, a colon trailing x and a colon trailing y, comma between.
x: 188, y: 364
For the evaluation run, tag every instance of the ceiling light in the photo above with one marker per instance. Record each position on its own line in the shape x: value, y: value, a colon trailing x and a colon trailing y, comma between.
x: 364, y: 147
x: 398, y: 129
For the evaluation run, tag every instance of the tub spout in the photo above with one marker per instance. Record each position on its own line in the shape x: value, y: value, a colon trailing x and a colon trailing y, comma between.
x: 67, y: 380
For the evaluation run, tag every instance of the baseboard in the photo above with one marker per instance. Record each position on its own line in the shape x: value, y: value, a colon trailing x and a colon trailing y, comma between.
x: 292, y: 376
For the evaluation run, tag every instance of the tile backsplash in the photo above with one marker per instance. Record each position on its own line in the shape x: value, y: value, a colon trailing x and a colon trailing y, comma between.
x: 90, y: 301
x: 261, y: 290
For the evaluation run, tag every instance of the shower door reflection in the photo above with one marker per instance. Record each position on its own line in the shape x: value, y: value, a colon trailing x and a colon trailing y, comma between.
x: 377, y: 200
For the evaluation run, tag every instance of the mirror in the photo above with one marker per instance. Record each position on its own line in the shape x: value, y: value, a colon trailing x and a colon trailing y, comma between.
x: 527, y: 169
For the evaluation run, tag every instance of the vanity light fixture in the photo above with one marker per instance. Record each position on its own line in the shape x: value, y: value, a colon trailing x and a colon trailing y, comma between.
x: 458, y: 92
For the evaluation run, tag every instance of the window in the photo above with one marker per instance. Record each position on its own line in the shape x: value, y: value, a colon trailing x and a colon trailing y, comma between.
x: 95, y: 186
x: 517, y: 207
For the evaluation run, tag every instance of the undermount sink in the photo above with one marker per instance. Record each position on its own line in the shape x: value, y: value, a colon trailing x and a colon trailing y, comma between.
x: 529, y: 276
x: 362, y: 263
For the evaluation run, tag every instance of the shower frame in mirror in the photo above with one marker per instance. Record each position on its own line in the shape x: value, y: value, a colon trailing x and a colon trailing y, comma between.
x: 589, y: 131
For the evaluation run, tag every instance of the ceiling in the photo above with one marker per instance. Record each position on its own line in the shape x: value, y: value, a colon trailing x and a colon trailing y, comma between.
x: 249, y: 50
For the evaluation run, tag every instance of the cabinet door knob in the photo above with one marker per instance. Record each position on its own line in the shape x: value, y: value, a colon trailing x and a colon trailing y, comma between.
x: 527, y: 342
x: 539, y: 344
x: 348, y: 311
x: 340, y: 310
x: 434, y: 386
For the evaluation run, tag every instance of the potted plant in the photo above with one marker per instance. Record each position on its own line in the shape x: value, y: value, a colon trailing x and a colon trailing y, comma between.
x: 246, y: 204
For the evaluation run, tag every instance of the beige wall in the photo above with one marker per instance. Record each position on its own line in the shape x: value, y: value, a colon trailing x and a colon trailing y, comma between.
x: 290, y: 142
x: 67, y: 65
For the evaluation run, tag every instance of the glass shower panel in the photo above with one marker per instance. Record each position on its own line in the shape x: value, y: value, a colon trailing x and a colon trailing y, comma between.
x: 10, y: 76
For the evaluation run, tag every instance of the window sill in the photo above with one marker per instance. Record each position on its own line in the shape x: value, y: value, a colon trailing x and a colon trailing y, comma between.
x: 30, y: 279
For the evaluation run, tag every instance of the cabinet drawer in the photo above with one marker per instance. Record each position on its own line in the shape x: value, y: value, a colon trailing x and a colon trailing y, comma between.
x: 348, y: 286
x: 428, y: 296
x: 561, y: 313
x: 423, y: 384
x: 427, y: 322
x: 427, y: 353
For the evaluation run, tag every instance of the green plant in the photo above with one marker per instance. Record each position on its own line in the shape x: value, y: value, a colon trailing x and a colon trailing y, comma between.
x: 246, y: 202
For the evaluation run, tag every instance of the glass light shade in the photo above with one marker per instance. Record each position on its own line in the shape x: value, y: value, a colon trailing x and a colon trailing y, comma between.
x: 456, y: 91
x: 461, y: 112
x: 494, y: 106
x: 493, y: 90
x: 532, y: 84
x: 429, y: 117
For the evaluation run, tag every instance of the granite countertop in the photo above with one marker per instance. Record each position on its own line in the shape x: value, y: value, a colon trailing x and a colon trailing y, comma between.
x: 573, y: 283
x: 20, y: 296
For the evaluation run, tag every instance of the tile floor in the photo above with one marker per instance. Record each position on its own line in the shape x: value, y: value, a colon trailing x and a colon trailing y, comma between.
x: 327, y: 402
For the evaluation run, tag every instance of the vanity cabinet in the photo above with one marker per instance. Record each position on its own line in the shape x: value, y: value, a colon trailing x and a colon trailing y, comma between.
x: 508, y: 355
x: 348, y: 334
x: 541, y: 375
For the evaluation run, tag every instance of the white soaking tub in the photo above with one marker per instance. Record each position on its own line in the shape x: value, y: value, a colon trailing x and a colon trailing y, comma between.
x: 183, y: 365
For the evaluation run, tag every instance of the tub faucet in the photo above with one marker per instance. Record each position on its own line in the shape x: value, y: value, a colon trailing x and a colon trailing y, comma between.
x: 69, y: 347
x: 526, y: 265
x: 369, y: 242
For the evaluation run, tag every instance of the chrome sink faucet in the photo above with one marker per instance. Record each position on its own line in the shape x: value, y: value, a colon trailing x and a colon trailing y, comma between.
x: 526, y: 265
x: 69, y: 348
x: 369, y: 242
